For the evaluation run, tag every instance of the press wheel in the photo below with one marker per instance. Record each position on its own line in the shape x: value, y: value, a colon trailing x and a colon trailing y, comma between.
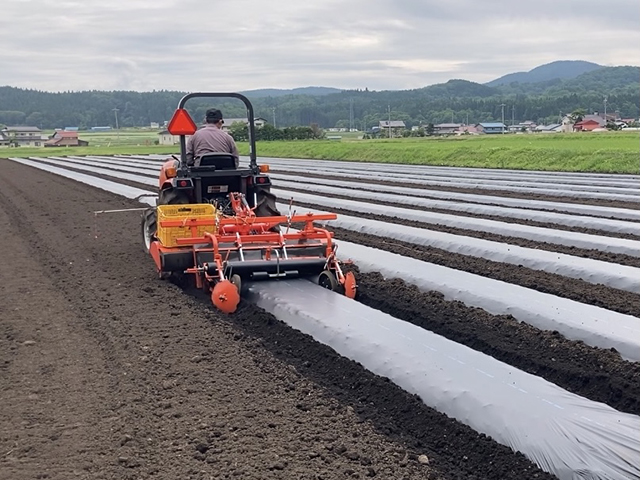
x: 237, y: 281
x: 328, y: 280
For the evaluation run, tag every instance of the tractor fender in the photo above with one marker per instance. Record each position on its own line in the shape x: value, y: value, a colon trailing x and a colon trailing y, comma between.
x: 163, y: 180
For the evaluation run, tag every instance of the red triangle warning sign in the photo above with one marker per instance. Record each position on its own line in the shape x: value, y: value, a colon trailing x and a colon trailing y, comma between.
x: 181, y: 123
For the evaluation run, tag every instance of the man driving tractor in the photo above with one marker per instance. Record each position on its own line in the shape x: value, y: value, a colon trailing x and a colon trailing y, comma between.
x: 208, y: 168
x: 211, y: 139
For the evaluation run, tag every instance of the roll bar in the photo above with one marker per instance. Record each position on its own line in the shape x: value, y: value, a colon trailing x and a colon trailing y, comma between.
x: 253, y: 163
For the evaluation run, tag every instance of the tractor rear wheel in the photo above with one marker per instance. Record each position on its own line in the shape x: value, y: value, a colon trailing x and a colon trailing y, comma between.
x: 171, y: 196
x: 266, y: 204
x: 149, y: 227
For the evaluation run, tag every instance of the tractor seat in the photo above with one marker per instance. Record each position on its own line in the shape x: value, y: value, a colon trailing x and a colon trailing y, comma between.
x: 221, y: 161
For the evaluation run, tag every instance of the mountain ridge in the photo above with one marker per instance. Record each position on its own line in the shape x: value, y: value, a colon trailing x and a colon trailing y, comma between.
x: 560, y: 69
x: 280, y: 92
x: 551, y: 74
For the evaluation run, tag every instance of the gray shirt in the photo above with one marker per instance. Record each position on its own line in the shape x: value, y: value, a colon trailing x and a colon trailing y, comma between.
x: 210, y: 139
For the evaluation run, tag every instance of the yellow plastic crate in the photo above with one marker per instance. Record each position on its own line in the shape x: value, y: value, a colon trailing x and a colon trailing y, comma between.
x: 201, y: 211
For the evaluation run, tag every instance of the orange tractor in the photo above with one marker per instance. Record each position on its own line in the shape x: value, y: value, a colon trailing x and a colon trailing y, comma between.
x: 220, y: 224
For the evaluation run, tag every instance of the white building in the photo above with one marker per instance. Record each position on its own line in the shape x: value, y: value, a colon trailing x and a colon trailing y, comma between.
x: 258, y: 122
x: 23, y: 136
x: 165, y: 138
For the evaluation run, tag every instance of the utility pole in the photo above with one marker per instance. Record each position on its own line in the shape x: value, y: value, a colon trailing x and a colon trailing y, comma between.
x: 389, y: 124
x: 350, y: 114
x: 451, y: 116
x: 273, y: 109
x: 605, y: 110
x: 513, y: 115
x: 502, y: 105
x: 467, y: 119
x: 115, y: 111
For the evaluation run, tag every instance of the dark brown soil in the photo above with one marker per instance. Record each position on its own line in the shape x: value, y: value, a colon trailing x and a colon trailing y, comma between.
x: 108, y: 372
x: 478, y: 191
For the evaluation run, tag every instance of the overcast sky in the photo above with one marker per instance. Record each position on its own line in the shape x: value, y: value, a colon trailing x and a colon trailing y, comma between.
x: 235, y: 45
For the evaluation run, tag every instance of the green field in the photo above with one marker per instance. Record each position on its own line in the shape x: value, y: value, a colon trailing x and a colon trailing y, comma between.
x: 588, y: 152
x: 126, y: 137
x: 100, y: 143
x: 612, y: 152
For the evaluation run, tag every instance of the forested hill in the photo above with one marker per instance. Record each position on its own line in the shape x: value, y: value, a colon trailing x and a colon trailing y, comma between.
x: 602, y: 81
x: 563, y: 69
x: 278, y: 92
x: 456, y: 100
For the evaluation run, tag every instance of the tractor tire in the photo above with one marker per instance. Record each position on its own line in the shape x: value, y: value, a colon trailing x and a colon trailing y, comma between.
x: 171, y: 196
x: 149, y: 227
x: 266, y: 206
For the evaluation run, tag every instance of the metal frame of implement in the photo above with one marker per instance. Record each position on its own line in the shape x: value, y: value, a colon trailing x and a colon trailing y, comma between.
x: 238, y: 236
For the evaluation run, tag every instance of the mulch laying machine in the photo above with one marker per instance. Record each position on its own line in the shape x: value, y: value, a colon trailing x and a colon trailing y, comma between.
x: 219, y: 223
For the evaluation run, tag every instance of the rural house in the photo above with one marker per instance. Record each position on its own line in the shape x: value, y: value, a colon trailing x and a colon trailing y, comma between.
x: 259, y: 122
x: 395, y: 126
x: 4, y: 139
x: 446, y: 128
x: 590, y: 123
x: 567, y: 124
x: 527, y: 126
x: 165, y: 138
x: 23, y: 136
x: 497, y: 127
x: 552, y: 128
x: 467, y: 130
x: 65, y: 139
x: 586, y: 125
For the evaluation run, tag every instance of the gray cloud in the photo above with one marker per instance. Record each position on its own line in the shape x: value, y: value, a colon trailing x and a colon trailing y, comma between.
x: 195, y: 45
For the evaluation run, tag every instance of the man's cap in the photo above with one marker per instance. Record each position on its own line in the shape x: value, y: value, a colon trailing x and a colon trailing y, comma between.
x: 214, y: 115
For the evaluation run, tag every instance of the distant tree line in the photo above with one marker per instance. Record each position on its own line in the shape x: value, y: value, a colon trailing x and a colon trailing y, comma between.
x: 240, y: 132
x: 457, y: 101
